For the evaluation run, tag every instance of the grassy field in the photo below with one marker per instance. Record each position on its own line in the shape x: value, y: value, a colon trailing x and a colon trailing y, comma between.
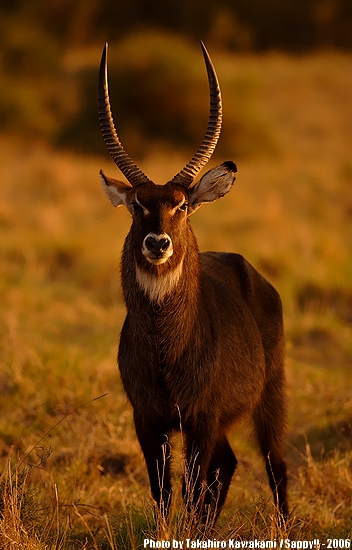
x: 72, y: 472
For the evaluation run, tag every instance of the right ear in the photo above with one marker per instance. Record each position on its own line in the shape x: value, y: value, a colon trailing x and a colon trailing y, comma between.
x: 116, y: 191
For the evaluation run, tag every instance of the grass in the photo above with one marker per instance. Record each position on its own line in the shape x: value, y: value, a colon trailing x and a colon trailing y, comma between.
x: 72, y: 472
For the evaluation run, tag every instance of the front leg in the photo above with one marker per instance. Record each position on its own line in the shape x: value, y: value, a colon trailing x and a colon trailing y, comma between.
x: 200, y: 445
x: 154, y: 443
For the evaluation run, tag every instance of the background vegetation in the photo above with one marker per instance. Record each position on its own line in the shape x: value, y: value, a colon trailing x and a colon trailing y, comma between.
x: 72, y: 472
x: 49, y: 51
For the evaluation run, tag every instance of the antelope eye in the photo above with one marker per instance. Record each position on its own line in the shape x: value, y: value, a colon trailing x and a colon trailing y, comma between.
x: 183, y: 207
x: 136, y: 206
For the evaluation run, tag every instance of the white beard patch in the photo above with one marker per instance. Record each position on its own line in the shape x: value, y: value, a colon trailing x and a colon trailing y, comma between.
x: 156, y: 287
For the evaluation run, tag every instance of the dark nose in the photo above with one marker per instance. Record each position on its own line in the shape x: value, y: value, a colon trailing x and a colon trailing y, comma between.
x: 157, y: 246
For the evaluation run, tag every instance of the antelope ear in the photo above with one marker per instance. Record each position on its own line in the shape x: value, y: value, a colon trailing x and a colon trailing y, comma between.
x: 213, y: 185
x: 115, y: 190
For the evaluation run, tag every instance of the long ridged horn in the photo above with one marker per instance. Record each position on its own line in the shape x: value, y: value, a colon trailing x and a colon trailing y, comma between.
x: 187, y: 175
x: 129, y: 169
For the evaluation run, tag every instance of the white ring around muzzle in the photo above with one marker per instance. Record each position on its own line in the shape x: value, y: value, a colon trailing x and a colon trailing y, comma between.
x: 157, y: 248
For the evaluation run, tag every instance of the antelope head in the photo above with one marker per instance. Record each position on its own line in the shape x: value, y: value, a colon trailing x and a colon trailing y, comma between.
x: 160, y: 228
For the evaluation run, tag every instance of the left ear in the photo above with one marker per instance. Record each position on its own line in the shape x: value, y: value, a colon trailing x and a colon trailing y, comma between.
x: 213, y: 185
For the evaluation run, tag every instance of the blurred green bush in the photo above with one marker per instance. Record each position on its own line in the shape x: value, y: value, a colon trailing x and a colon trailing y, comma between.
x: 49, y: 57
x: 159, y: 95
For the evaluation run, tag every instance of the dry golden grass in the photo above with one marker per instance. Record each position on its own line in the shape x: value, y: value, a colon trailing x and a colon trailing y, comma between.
x: 77, y: 479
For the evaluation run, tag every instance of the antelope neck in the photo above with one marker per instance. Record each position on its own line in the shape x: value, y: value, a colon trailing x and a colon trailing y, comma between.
x: 157, y: 287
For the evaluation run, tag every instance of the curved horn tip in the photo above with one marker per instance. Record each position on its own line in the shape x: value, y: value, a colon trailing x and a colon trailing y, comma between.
x: 104, y: 53
x: 203, y: 46
x: 104, y: 57
x: 205, y: 51
x: 103, y: 67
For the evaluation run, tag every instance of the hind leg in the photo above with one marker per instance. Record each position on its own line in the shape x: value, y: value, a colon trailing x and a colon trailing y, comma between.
x: 269, y: 423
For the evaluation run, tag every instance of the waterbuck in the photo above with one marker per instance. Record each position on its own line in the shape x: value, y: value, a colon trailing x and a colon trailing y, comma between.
x: 202, y: 345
